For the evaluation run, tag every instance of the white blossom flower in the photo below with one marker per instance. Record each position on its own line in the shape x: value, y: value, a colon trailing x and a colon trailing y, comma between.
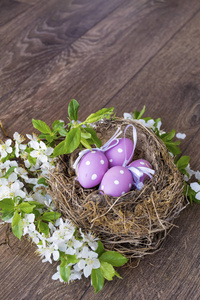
x: 195, y: 186
x: 57, y: 276
x: 28, y: 223
x: 90, y: 239
x: 35, y: 236
x: 18, y: 140
x: 190, y: 173
x: 63, y: 235
x: 88, y: 262
x: 128, y: 116
x: 21, y: 172
x: 181, y: 136
x: 197, y: 175
x: 40, y: 151
x: 46, y: 251
x: 5, y: 148
x: 33, y: 137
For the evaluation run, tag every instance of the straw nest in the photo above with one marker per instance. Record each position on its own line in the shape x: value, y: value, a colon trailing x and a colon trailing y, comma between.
x: 136, y: 223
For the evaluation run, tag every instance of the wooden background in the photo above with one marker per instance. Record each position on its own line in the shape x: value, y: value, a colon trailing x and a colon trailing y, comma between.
x: 121, y: 53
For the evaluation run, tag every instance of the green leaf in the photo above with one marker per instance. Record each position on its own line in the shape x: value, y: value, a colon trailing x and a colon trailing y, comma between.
x: 62, y: 131
x: 107, y: 270
x: 85, y: 135
x: 73, y: 139
x: 58, y: 127
x: 7, y: 204
x: 65, y: 271
x: 73, y: 110
x: 57, y: 124
x: 85, y: 143
x: 37, y: 204
x: 114, y: 258
x: 168, y: 136
x: 43, y: 227
x: 42, y: 180
x: 7, y: 215
x: 32, y: 160
x: 41, y: 126
x: 117, y: 274
x: 183, y: 162
x: 59, y: 149
x: 97, y: 280
x: 9, y: 172
x: 71, y: 259
x: 26, y: 207
x: 94, y: 136
x: 141, y: 113
x: 99, y: 115
x: 50, y: 216
x: 70, y: 143
x: 100, y: 248
x: 173, y: 148
x: 17, y: 225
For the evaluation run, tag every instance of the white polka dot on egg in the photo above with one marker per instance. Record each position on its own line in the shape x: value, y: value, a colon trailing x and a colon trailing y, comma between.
x: 87, y: 163
x: 120, y: 150
x: 130, y: 185
x: 94, y: 176
x: 142, y: 163
x: 102, y: 187
x: 116, y: 182
x: 102, y: 161
x: 121, y: 172
x: 123, y: 193
x: 110, y: 160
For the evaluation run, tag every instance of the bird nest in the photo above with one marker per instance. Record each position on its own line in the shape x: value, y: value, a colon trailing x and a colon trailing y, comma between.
x: 135, y: 223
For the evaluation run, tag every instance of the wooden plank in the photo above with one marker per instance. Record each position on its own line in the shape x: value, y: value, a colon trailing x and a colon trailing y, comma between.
x: 47, y: 30
x: 10, y: 9
x: 24, y: 276
x: 170, y: 84
x: 97, y: 65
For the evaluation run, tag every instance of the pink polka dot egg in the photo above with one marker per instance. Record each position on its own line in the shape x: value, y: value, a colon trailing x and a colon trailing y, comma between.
x: 116, y: 181
x: 117, y: 154
x: 92, y: 168
x: 141, y: 163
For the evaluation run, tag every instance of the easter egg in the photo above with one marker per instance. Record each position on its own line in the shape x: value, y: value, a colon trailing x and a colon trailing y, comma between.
x: 116, y: 155
x: 91, y: 168
x: 141, y: 163
x: 116, y: 181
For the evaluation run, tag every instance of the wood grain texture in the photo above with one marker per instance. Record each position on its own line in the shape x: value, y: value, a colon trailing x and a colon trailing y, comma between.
x: 101, y: 56
x: 47, y: 30
x: 118, y: 53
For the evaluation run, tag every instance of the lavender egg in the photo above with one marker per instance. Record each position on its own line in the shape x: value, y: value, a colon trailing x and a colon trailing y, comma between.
x: 116, y: 155
x: 91, y: 169
x: 141, y: 163
x: 116, y: 181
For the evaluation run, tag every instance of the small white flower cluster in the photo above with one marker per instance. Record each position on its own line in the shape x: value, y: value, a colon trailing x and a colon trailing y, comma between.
x: 15, y: 180
x: 151, y: 124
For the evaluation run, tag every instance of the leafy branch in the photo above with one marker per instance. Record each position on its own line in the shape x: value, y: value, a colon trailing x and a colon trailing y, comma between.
x: 73, y: 135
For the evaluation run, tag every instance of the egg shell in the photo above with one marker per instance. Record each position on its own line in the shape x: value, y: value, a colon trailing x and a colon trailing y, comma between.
x: 117, y: 181
x: 116, y: 155
x: 91, y: 169
x: 141, y: 163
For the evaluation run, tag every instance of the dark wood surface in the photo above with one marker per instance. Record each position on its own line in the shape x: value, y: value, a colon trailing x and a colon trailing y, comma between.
x: 104, y: 53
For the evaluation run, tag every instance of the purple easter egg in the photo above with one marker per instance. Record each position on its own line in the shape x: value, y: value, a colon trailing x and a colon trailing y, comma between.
x: 141, y: 163
x: 116, y: 181
x: 116, y: 155
x: 91, y: 168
